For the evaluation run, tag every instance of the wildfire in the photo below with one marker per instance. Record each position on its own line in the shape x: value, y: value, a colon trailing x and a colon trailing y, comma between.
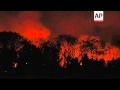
x: 15, y: 65
x: 28, y: 25
x: 90, y: 45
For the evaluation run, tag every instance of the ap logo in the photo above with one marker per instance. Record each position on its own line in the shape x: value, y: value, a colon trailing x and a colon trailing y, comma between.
x: 98, y: 16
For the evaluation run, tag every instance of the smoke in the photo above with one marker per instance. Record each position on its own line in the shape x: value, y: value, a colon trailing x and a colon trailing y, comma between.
x: 34, y: 25
x: 26, y: 23
x: 110, y: 28
x: 91, y: 46
x: 79, y: 23
x: 68, y: 22
x: 44, y: 24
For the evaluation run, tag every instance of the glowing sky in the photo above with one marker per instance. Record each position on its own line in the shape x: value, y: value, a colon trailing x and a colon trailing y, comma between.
x: 51, y: 23
x: 35, y: 25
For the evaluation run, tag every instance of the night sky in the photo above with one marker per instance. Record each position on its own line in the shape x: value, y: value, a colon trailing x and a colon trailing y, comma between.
x: 49, y: 40
x: 61, y: 22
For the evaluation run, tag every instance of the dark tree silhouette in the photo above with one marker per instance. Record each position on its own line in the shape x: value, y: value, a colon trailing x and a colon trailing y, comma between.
x: 12, y: 51
x: 68, y: 38
x: 19, y: 58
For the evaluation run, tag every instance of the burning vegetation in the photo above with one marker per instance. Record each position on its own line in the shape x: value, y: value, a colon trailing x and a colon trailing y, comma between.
x: 20, y: 55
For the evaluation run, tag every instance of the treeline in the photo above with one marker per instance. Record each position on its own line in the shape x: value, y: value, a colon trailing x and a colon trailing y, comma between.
x: 19, y: 58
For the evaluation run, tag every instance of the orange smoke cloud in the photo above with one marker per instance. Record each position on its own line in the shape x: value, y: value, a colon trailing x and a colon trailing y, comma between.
x: 27, y: 24
x: 82, y: 22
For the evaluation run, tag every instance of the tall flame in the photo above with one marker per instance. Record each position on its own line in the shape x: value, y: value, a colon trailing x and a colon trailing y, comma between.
x: 90, y: 45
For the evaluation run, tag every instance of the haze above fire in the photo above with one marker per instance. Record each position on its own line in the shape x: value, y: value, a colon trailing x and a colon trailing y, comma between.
x: 45, y: 24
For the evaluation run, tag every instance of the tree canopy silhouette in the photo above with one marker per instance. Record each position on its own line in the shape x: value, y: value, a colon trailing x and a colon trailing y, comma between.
x: 15, y: 52
x: 19, y: 58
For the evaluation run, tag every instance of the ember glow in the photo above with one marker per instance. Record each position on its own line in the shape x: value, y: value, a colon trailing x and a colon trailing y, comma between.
x: 30, y: 25
x: 15, y: 65
x: 59, y: 44
x: 90, y: 45
x: 35, y: 32
x: 27, y: 24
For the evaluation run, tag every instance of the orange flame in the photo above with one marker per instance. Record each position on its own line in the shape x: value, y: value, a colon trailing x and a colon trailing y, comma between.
x: 15, y: 65
x: 28, y: 25
x: 35, y: 32
x: 91, y: 46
